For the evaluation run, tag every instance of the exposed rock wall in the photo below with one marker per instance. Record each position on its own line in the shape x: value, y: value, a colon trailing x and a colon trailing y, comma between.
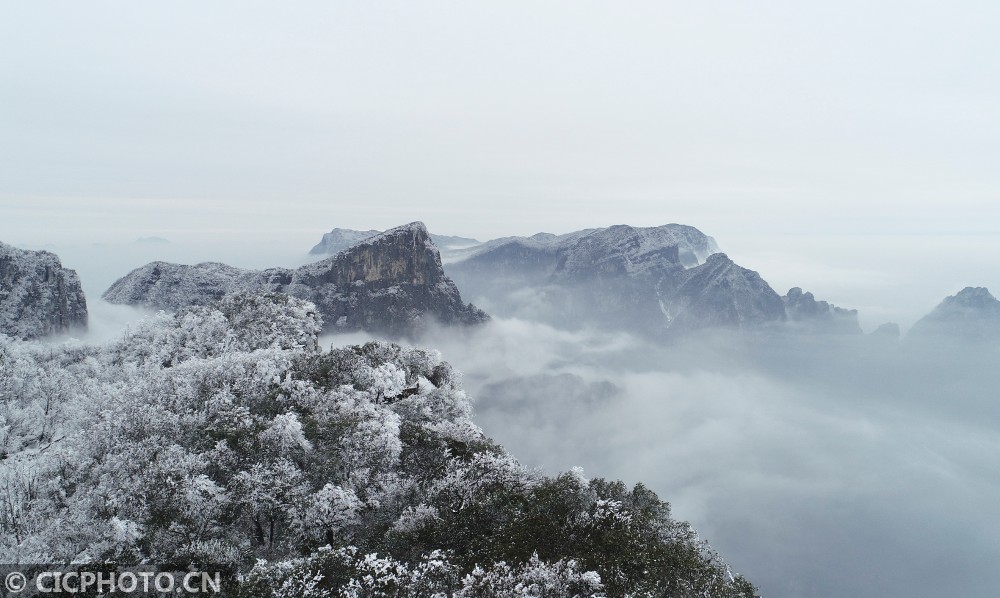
x: 38, y: 297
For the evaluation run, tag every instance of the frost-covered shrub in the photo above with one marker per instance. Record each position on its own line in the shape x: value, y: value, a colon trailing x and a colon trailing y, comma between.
x: 274, y: 320
x: 534, y: 578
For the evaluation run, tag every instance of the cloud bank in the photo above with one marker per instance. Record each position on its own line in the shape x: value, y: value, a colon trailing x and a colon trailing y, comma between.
x: 818, y: 466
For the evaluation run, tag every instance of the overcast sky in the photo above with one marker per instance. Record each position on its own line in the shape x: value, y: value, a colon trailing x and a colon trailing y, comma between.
x: 785, y: 120
x: 508, y: 117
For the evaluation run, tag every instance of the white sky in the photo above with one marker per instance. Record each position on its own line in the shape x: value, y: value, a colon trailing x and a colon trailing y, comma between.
x: 767, y: 124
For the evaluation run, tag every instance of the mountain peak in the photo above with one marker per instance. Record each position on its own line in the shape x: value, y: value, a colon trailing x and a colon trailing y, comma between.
x: 973, y: 297
x: 620, y: 229
x: 972, y: 314
x: 416, y: 229
x: 416, y: 226
x: 720, y: 259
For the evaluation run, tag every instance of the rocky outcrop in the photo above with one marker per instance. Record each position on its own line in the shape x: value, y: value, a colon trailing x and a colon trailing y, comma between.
x: 973, y: 314
x: 340, y: 239
x: 804, y: 311
x: 38, y: 297
x: 391, y: 283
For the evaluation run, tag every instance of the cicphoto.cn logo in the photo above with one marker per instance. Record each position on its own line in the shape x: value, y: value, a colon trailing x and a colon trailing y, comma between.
x: 78, y: 580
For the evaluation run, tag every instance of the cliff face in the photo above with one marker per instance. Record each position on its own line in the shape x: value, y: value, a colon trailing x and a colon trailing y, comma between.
x: 392, y: 283
x: 404, y: 255
x: 38, y: 296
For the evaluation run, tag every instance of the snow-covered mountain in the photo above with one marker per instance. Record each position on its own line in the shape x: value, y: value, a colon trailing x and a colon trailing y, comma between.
x: 632, y: 248
x: 392, y: 282
x: 973, y: 314
x: 657, y: 281
x: 38, y: 296
x: 340, y: 239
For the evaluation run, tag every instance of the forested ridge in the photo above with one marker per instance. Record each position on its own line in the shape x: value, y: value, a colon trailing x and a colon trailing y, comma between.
x: 225, y: 435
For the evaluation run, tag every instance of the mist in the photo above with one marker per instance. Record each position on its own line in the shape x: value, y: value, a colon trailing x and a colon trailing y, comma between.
x: 817, y: 466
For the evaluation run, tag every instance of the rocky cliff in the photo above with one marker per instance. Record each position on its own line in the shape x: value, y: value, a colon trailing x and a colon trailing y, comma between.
x: 38, y: 296
x: 391, y: 283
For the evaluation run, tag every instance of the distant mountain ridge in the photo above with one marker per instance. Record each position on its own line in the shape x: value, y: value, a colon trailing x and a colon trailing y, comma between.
x: 38, y: 297
x: 633, y: 245
x: 392, y: 283
x: 658, y: 281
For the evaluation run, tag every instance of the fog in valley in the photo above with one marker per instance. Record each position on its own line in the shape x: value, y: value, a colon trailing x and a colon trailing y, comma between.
x: 819, y: 466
